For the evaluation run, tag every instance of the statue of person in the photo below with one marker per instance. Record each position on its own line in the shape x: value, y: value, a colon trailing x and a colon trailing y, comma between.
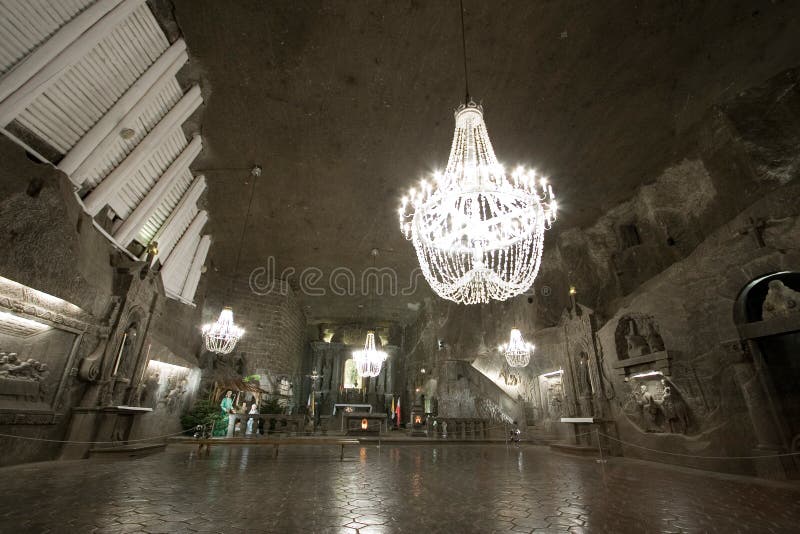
x: 8, y: 363
x: 781, y: 301
x: 253, y: 411
x: 675, y: 411
x: 584, y: 381
x: 41, y: 371
x: 24, y: 370
x: 226, y: 405
x: 637, y: 345
x: 654, y: 339
x: 648, y: 407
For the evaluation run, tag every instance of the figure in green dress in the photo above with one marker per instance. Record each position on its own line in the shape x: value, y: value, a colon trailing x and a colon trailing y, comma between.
x: 226, y: 404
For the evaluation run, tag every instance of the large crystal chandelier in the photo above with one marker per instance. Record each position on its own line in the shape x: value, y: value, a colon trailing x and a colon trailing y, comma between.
x: 477, y: 230
x: 221, y: 337
x: 517, y: 352
x: 370, y: 360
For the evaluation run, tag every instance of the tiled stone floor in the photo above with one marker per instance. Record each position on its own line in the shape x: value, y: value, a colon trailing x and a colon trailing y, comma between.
x: 411, y: 488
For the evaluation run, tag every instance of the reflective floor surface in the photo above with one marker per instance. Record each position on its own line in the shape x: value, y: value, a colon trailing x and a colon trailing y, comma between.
x: 404, y: 488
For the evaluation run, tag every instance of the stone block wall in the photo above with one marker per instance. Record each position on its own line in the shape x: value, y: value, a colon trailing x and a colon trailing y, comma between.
x: 275, y: 326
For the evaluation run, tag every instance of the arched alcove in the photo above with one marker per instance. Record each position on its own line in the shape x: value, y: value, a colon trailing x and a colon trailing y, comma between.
x: 749, y: 303
x: 767, y: 314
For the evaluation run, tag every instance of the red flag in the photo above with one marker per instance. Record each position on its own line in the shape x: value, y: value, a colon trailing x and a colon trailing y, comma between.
x: 397, y: 419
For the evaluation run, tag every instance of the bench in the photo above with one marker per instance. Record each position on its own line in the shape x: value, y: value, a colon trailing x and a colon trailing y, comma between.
x: 278, y: 442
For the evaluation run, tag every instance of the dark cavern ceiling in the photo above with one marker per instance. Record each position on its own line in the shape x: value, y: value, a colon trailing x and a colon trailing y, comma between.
x: 345, y: 104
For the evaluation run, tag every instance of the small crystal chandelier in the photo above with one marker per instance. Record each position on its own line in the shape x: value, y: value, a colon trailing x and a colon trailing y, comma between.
x: 221, y: 337
x: 370, y: 360
x: 477, y: 230
x: 517, y: 352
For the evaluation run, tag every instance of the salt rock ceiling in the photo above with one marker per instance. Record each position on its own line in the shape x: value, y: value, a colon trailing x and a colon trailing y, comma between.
x: 347, y: 103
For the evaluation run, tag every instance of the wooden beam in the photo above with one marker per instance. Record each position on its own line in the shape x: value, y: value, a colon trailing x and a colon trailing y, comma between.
x: 67, y: 46
x: 196, y: 268
x: 110, y: 186
x: 177, y: 265
x: 170, y: 228
x: 94, y: 143
x: 131, y: 226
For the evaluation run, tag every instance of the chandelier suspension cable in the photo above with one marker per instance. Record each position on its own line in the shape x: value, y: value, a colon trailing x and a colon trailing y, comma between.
x: 222, y: 336
x: 255, y: 172
x: 464, y: 51
x: 373, y: 315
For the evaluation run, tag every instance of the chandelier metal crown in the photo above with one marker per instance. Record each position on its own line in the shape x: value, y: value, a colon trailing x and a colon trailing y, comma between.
x: 370, y: 360
x: 221, y: 337
x: 478, y: 231
x: 517, y: 352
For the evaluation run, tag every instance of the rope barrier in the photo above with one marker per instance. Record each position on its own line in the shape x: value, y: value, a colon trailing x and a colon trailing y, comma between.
x: 701, y: 457
x: 95, y: 442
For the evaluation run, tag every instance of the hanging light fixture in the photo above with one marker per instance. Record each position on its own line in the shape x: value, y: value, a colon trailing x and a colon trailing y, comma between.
x: 370, y: 360
x: 222, y: 336
x: 478, y: 231
x: 517, y: 352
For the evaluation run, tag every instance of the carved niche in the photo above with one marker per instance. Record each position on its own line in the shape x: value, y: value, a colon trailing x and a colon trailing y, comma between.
x: 637, y: 335
x: 640, y: 347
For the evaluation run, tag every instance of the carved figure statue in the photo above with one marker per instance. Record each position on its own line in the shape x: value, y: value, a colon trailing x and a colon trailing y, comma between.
x: 555, y: 408
x: 584, y: 384
x: 13, y: 368
x: 654, y: 340
x: 637, y: 345
x: 7, y: 362
x: 149, y: 389
x: 648, y: 408
x: 226, y: 405
x: 174, y: 396
x: 253, y: 411
x: 781, y: 301
x: 509, y: 376
x: 675, y: 411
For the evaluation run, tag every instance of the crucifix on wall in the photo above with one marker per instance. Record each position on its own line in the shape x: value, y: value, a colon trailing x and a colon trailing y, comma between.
x: 755, y: 228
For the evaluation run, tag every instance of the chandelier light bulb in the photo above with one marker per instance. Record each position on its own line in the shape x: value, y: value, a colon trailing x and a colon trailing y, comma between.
x: 221, y: 337
x: 370, y: 360
x: 517, y: 352
x: 477, y: 231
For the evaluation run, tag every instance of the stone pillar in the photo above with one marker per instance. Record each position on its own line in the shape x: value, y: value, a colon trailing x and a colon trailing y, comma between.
x: 763, y: 426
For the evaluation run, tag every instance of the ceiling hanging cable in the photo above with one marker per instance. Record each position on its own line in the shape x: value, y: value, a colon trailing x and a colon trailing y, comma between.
x: 464, y: 51
x: 477, y: 229
x: 255, y: 172
x: 221, y: 337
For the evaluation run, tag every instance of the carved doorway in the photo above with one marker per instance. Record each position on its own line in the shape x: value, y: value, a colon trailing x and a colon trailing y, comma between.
x: 768, y: 318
